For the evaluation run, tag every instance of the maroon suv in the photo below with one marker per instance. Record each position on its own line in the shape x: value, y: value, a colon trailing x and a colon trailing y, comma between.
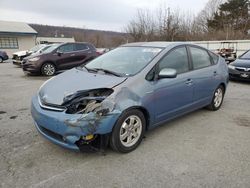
x: 59, y: 57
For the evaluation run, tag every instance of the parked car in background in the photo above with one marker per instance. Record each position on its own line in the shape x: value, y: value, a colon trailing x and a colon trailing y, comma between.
x: 18, y: 56
x: 3, y: 56
x: 240, y: 68
x: 116, y: 97
x: 35, y: 54
x: 101, y: 51
x: 59, y: 57
x: 228, y: 50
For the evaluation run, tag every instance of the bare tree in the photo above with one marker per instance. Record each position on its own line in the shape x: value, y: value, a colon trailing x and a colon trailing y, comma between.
x: 206, y: 14
x: 168, y: 23
x: 171, y: 25
x: 142, y: 28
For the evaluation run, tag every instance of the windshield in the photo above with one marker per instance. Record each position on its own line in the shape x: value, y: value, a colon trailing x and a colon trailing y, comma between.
x: 246, y: 55
x: 42, y: 50
x: 51, y: 48
x: 36, y: 48
x: 125, y: 60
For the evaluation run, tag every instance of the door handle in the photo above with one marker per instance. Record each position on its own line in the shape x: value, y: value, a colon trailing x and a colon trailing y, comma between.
x: 215, y: 73
x: 72, y: 55
x: 189, y: 81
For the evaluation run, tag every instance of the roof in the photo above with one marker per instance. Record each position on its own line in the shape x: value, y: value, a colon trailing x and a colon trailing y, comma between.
x: 55, y: 39
x: 16, y: 28
x: 158, y: 44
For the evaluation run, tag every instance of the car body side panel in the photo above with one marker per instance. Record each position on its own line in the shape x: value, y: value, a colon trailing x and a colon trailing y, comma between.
x: 65, y: 60
x: 172, y: 95
x: 205, y: 82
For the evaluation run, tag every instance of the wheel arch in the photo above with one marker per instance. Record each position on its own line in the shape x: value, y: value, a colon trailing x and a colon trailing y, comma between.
x: 223, y: 85
x: 144, y: 111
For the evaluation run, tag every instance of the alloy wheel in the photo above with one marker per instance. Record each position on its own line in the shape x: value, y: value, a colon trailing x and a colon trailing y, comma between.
x: 130, y: 131
x: 49, y: 69
x: 218, y: 97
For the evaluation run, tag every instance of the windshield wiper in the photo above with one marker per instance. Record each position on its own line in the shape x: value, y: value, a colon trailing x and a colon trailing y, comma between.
x: 83, y: 66
x: 103, y: 70
x: 107, y: 71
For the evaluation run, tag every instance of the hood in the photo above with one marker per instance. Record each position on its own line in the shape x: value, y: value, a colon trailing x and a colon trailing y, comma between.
x: 21, y: 53
x: 57, y: 88
x: 241, y: 63
x: 32, y: 56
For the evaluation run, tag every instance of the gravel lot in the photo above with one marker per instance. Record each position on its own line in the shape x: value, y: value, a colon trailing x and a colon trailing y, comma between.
x: 201, y: 149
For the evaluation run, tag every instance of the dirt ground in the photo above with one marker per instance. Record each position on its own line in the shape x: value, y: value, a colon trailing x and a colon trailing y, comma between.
x: 201, y: 149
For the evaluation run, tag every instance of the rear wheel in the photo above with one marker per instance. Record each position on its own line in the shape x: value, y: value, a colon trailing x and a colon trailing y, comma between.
x: 48, y: 69
x: 1, y: 59
x: 217, y: 99
x: 128, y: 131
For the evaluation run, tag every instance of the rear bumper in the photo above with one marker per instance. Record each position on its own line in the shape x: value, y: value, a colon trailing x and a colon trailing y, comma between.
x: 67, y: 129
x: 5, y: 57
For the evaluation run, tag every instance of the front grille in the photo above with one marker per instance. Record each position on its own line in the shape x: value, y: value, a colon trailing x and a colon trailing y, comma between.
x: 52, y: 134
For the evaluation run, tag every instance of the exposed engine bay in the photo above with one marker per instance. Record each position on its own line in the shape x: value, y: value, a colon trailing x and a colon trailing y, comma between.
x: 83, y: 102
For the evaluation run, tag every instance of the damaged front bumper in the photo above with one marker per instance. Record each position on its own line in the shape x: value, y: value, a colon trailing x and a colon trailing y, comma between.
x: 67, y: 130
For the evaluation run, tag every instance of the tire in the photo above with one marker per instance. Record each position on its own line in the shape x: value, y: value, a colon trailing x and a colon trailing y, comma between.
x: 128, y: 131
x: 217, y: 99
x: 48, y: 69
x: 1, y: 59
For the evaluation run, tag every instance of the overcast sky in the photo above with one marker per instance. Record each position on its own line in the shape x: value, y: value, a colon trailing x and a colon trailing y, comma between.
x: 92, y: 14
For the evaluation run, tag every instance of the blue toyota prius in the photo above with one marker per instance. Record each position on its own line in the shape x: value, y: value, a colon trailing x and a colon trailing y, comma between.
x: 118, y: 96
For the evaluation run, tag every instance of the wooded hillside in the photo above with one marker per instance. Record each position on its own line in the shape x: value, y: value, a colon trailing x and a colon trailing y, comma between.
x: 97, y: 37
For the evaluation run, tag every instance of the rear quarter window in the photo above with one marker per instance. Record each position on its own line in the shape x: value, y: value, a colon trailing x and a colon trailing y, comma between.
x: 200, y: 58
x: 214, y: 56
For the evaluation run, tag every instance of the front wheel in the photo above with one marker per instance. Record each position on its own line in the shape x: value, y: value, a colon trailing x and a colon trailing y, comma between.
x: 128, y: 132
x: 217, y: 99
x: 48, y: 69
x: 1, y: 59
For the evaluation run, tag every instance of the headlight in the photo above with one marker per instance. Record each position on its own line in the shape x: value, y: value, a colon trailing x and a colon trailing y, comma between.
x: 34, y: 59
x: 231, y: 67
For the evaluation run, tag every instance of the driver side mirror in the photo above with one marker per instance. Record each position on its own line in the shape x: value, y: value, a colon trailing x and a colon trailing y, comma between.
x: 167, y: 73
x: 59, y: 52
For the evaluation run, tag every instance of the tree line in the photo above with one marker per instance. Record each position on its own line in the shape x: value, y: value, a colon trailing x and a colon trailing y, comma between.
x: 219, y: 20
x: 107, y: 39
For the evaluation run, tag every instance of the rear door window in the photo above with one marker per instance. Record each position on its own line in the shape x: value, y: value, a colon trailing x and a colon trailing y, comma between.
x: 214, y: 57
x: 200, y: 58
x: 67, y: 48
x: 80, y: 47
